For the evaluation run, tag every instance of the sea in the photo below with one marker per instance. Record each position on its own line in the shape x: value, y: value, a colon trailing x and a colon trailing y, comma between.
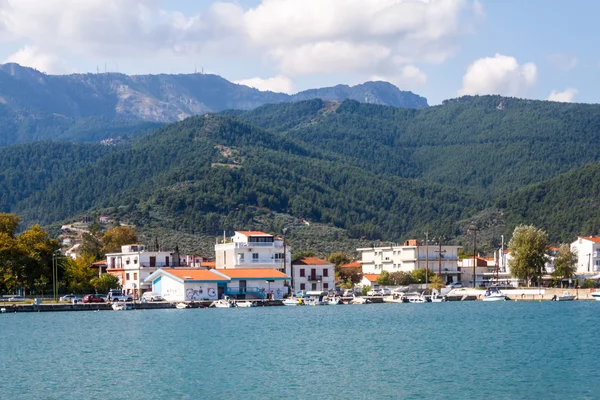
x: 454, y: 350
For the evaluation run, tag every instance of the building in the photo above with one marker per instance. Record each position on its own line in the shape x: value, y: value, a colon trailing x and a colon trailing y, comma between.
x: 587, y: 249
x: 370, y: 280
x: 189, y: 284
x: 186, y: 284
x: 311, y: 273
x: 100, y: 265
x: 411, y: 256
x: 134, y: 264
x: 251, y: 249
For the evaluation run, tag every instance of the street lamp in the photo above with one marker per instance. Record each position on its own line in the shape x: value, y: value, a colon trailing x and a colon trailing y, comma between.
x: 474, y: 229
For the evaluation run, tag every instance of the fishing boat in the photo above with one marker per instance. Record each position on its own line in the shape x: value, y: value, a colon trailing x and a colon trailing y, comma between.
x: 360, y: 300
x: 181, y: 305
x: 566, y: 296
x: 121, y: 306
x: 245, y: 304
x: 314, y: 301
x: 416, y: 298
x: 436, y: 298
x: 395, y: 298
x: 334, y: 301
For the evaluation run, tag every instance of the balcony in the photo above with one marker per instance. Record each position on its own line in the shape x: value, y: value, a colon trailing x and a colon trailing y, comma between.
x: 258, y: 244
x: 314, y: 277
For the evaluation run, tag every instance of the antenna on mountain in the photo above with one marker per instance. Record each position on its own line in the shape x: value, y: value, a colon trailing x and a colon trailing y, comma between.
x: 97, y: 69
x: 195, y: 69
x: 104, y: 66
x: 202, y: 70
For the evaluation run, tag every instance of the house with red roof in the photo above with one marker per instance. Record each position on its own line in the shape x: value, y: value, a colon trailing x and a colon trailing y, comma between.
x: 312, y: 273
x: 587, y: 249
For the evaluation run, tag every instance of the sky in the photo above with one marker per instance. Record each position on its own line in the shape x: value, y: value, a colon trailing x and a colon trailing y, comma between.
x: 439, y: 49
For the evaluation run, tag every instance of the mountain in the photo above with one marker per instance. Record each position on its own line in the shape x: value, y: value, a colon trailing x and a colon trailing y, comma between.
x: 36, y: 106
x: 361, y: 172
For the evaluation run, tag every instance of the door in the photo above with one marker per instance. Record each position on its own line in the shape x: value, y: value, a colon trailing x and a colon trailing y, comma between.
x: 166, y: 261
x: 152, y: 261
x: 313, y: 273
x: 242, y: 287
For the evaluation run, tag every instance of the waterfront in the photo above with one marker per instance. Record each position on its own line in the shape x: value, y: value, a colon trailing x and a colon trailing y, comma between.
x: 453, y: 350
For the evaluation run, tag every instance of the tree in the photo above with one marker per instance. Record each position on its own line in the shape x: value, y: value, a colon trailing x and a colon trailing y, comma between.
x: 92, y: 245
x: 9, y: 224
x: 351, y: 275
x: 436, y: 282
x: 384, y: 279
x: 401, y: 278
x: 528, y: 253
x: 78, y: 273
x: 116, y: 237
x: 565, y: 263
x: 418, y: 275
x: 338, y: 259
x: 105, y: 282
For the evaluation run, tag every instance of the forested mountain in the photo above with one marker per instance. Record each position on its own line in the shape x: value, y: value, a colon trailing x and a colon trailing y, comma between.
x: 367, y: 172
x: 91, y: 107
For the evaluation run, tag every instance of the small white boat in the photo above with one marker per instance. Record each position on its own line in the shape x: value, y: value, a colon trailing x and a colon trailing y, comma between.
x: 181, y: 305
x: 121, y: 306
x: 566, y: 296
x: 2, y: 310
x: 360, y: 300
x: 225, y: 302
x: 596, y: 296
x: 438, y: 299
x: 293, y: 301
x: 334, y: 301
x: 416, y: 298
x: 395, y: 298
x: 494, y: 295
x: 245, y: 304
x: 314, y: 302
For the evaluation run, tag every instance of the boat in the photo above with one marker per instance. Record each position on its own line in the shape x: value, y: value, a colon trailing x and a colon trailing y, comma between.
x: 417, y: 298
x: 395, y: 298
x: 225, y: 302
x: 334, y: 301
x: 293, y: 301
x: 245, y: 304
x: 360, y: 300
x: 494, y: 295
x: 2, y: 310
x: 566, y: 296
x: 596, y: 296
x: 181, y: 305
x: 436, y: 298
x: 121, y: 306
x: 314, y: 301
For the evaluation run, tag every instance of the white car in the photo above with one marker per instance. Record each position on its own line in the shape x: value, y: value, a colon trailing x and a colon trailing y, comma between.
x: 70, y: 298
x: 152, y: 296
x: 374, y: 292
x: 348, y: 293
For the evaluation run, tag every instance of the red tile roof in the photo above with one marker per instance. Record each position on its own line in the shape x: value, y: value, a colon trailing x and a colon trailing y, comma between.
x: 595, y: 239
x: 193, y: 274
x: 371, y: 277
x: 253, y: 233
x: 310, y: 261
x: 352, y: 264
x: 209, y: 264
x: 99, y: 263
x: 252, y: 273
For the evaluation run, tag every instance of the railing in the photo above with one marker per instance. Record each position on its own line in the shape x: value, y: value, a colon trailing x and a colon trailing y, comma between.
x: 259, y: 244
x: 315, y: 277
x: 260, y: 292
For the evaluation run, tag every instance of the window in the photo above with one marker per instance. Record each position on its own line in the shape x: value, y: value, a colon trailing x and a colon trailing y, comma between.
x: 303, y: 286
x: 127, y: 276
x: 279, y: 256
x: 302, y: 273
x: 325, y: 272
x: 135, y: 260
x: 326, y: 286
x: 135, y: 276
x: 314, y: 286
x: 242, y: 257
x: 127, y: 261
x: 254, y: 256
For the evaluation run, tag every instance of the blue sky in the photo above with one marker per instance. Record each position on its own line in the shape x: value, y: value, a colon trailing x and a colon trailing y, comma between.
x: 438, y: 48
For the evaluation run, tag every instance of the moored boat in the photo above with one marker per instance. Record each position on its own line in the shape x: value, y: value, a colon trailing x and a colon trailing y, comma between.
x: 245, y: 304
x: 436, y: 298
x: 360, y: 300
x: 121, y: 306
x: 416, y: 298
x: 225, y: 302
x: 566, y: 296
x: 494, y: 295
x: 596, y: 296
x: 293, y: 301
x: 181, y: 305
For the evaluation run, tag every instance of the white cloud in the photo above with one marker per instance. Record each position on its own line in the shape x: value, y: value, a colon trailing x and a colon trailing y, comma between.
x: 406, y: 78
x: 499, y: 75
x: 277, y: 83
x: 565, y: 96
x: 564, y: 62
x: 35, y: 58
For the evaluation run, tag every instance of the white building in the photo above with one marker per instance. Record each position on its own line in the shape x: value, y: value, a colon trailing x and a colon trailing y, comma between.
x: 134, y: 264
x: 411, y: 256
x: 250, y: 249
x: 187, y: 284
x: 587, y: 249
x: 311, y: 273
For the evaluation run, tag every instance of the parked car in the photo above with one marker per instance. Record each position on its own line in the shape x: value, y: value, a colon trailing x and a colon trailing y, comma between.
x: 93, y: 298
x: 335, y: 292
x: 348, y: 293
x: 455, y: 285
x: 117, y: 295
x: 70, y: 297
x: 152, y: 296
x: 374, y: 292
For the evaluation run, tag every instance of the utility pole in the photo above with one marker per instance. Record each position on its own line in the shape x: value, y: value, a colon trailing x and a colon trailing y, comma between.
x: 474, y: 230
x: 440, y: 251
x: 426, y: 259
x: 285, y: 262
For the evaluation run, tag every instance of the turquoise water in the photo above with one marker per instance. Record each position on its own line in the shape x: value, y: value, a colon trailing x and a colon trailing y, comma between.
x: 468, y: 350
